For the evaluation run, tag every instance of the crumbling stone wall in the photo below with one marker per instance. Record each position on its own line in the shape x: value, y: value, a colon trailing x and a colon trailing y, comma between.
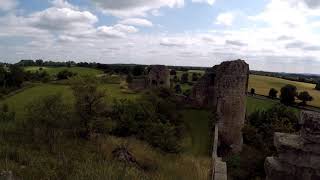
x: 158, y: 76
x: 298, y: 154
x: 137, y: 84
x: 224, y: 88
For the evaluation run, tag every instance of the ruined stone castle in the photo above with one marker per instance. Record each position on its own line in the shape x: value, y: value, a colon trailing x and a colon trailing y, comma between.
x: 224, y: 88
x: 155, y: 76
x: 298, y: 154
x: 158, y: 76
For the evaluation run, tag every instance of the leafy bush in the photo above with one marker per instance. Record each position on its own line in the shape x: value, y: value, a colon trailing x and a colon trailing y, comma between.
x: 65, y: 74
x: 184, y: 78
x: 90, y: 106
x: 304, y: 97
x: 6, y: 115
x: 152, y: 118
x: 47, y: 117
x: 288, y: 94
x: 273, y: 93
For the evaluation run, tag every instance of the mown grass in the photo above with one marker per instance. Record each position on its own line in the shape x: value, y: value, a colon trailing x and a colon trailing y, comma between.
x: 262, y: 85
x: 56, y: 70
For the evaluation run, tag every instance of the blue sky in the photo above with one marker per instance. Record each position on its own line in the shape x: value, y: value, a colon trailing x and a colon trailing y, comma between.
x: 271, y: 35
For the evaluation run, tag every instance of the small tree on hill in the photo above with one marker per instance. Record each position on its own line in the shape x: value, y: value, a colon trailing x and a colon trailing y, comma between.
x: 129, y: 78
x: 65, y: 74
x: 184, y: 78
x: 318, y: 86
x: 173, y: 72
x: 195, y: 77
x: 304, y: 97
x: 273, y: 93
x: 288, y: 94
x: 175, y: 79
x: 90, y: 105
x: 252, y: 91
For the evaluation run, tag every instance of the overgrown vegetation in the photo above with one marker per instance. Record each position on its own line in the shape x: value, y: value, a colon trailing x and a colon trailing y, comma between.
x: 258, y: 139
x: 153, y: 118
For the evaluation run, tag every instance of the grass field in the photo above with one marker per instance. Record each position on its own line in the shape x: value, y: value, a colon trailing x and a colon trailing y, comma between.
x: 56, y: 70
x: 20, y: 100
x: 262, y: 85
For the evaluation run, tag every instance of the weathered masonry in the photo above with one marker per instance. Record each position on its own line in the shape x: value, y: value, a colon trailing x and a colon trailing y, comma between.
x: 224, y: 88
x: 158, y: 76
x: 298, y: 154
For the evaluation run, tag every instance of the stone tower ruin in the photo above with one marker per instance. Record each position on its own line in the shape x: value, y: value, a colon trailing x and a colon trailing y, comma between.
x: 224, y: 88
x: 158, y: 76
x: 298, y: 154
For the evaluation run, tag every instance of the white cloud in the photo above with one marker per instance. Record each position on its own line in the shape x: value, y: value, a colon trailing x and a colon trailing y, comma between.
x: 6, y: 5
x: 63, y: 4
x: 137, y: 22
x: 117, y: 31
x: 225, y: 19
x: 127, y: 8
x: 210, y: 2
x: 175, y: 42
x: 62, y: 19
x: 235, y: 43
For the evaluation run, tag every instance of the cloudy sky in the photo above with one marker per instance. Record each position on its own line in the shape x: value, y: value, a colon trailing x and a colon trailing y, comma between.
x: 272, y: 35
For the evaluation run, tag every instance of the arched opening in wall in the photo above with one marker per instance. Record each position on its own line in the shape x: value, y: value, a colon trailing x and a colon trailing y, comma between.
x: 161, y: 82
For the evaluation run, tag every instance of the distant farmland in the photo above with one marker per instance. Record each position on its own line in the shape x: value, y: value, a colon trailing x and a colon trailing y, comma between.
x: 262, y: 85
x: 56, y: 70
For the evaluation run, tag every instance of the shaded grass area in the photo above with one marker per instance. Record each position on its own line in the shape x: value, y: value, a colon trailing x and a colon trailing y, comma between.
x: 197, y: 122
x: 262, y: 85
x: 56, y: 70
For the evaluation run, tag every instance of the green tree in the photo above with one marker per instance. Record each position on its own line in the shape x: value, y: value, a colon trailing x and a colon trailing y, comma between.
x: 65, y: 74
x: 39, y: 62
x: 273, y: 93
x: 173, y: 72
x: 175, y: 79
x: 16, y: 76
x: 178, y: 89
x: 304, y: 97
x: 5, y: 114
x: 47, y: 117
x: 138, y: 70
x: 195, y: 77
x: 129, y: 78
x: 184, y: 78
x: 252, y: 91
x: 318, y: 86
x: 288, y: 94
x: 90, y: 105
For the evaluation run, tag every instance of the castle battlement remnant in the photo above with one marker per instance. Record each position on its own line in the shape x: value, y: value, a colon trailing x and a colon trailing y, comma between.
x: 298, y: 154
x: 224, y: 88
